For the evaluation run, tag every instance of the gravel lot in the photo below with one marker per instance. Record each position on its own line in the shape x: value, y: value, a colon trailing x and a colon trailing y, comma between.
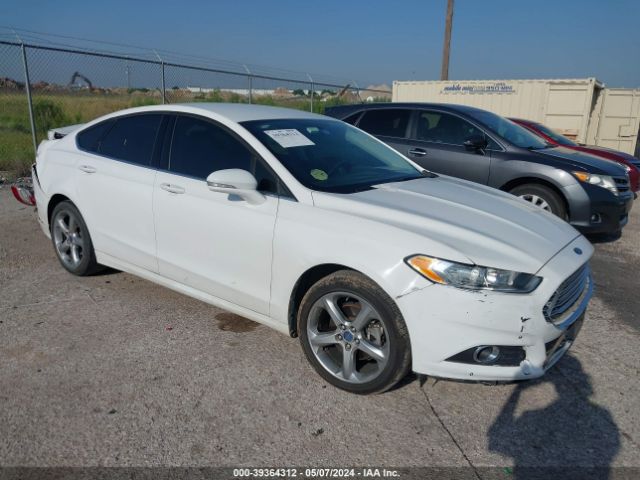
x: 113, y: 370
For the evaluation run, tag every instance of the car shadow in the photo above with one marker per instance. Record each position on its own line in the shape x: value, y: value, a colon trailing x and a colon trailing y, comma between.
x: 105, y: 271
x: 570, y: 438
x: 604, y: 237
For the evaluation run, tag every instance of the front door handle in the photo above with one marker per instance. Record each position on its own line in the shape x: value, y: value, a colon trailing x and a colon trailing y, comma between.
x: 417, y: 152
x: 171, y: 188
x: 87, y: 168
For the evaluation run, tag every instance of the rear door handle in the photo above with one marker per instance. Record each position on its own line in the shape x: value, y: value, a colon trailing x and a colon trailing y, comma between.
x: 417, y: 152
x: 171, y: 188
x: 87, y: 168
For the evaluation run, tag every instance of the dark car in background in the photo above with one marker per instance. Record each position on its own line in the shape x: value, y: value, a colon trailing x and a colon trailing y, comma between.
x: 591, y: 193
x: 631, y: 163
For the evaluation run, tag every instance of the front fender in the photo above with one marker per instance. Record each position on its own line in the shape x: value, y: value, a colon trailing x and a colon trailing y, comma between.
x: 304, y: 239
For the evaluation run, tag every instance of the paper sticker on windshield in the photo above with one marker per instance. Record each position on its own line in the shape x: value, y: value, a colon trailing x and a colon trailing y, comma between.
x: 319, y: 174
x: 289, y: 137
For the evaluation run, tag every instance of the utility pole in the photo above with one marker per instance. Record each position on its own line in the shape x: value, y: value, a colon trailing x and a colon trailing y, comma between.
x: 444, y: 73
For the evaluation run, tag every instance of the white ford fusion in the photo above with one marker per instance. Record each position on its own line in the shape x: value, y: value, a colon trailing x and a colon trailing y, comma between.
x: 317, y: 229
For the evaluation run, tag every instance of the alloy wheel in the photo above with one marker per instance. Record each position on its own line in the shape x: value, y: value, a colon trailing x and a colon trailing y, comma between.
x: 68, y: 238
x: 348, y: 337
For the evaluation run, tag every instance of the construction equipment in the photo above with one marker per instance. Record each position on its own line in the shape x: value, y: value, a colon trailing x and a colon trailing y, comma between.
x: 78, y: 75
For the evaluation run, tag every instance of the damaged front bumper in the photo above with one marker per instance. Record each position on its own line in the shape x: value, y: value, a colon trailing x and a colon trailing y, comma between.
x: 491, y: 336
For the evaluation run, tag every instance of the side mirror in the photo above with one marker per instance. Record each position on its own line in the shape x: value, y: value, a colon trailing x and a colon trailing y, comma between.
x: 476, y: 143
x: 234, y: 181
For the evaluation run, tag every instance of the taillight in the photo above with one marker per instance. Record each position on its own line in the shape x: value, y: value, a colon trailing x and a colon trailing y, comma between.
x: 23, y: 193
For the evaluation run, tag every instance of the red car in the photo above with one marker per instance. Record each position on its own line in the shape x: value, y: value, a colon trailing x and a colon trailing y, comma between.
x: 555, y: 138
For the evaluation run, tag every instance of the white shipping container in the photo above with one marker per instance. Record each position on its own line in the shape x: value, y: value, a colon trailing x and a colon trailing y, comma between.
x: 581, y: 109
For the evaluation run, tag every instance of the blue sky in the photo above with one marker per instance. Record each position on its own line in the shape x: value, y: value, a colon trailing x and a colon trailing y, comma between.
x: 369, y: 41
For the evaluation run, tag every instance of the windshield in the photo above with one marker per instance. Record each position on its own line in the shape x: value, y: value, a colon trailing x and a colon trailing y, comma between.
x: 331, y: 156
x: 510, y: 131
x: 555, y: 136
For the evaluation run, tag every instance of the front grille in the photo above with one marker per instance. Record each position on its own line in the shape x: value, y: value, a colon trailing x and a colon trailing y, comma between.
x: 622, y: 183
x: 567, y: 295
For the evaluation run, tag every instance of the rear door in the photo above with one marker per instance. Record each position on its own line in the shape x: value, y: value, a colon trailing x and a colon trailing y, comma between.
x: 214, y: 242
x: 391, y: 125
x: 437, y: 144
x: 115, y: 181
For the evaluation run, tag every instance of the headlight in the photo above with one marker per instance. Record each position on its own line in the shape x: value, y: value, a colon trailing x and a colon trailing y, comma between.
x: 472, y: 277
x: 604, y: 181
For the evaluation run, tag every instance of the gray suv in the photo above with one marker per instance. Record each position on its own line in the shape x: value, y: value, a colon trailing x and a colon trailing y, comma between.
x: 591, y: 193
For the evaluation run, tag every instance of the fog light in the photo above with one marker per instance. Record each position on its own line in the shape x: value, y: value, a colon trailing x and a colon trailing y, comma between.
x: 486, y: 354
x: 595, y: 218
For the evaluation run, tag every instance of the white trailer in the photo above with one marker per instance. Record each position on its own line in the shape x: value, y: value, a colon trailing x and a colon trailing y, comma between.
x: 581, y: 109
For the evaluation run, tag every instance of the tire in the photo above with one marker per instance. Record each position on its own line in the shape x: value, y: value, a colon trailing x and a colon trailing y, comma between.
x: 71, y: 240
x: 370, y: 358
x: 543, y: 197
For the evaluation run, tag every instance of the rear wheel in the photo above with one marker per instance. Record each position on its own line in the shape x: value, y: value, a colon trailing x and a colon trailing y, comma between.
x: 72, y: 241
x: 543, y: 197
x: 353, y: 333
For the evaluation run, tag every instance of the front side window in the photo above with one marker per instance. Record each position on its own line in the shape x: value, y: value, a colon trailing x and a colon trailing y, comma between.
x: 200, y: 147
x: 508, y: 130
x: 439, y: 127
x: 331, y: 156
x: 386, y: 122
x: 131, y: 138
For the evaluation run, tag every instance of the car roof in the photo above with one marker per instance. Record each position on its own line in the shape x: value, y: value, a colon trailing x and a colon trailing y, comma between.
x: 441, y: 106
x: 237, y: 112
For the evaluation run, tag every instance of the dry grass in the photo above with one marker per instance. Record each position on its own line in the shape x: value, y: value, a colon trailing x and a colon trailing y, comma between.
x: 66, y: 108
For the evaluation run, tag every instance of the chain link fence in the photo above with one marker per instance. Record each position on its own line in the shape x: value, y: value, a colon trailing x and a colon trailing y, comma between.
x: 42, y: 87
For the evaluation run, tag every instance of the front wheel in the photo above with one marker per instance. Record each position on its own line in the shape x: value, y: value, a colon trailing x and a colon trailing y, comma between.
x: 353, y: 333
x: 543, y: 197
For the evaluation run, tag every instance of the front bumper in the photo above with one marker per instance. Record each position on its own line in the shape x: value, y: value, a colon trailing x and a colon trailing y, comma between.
x: 445, y: 321
x: 593, y: 209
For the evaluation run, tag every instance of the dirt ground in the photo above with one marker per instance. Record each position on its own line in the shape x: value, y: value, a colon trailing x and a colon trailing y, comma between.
x: 112, y: 370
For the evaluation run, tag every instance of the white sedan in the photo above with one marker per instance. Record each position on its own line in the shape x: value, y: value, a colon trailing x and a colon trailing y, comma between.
x: 315, y: 228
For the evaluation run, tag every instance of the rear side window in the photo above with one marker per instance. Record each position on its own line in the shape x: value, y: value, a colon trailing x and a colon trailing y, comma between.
x: 89, y: 139
x: 132, y: 139
x: 387, y: 122
x: 352, y: 119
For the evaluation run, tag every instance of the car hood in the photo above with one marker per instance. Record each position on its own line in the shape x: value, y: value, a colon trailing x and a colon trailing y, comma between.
x: 461, y: 221
x: 584, y: 160
x: 608, y: 152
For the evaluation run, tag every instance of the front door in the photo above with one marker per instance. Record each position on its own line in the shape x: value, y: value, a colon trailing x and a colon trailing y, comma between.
x: 437, y: 144
x: 214, y: 242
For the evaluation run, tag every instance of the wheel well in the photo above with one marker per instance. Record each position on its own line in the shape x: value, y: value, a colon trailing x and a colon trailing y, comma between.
x: 507, y: 187
x: 304, y: 283
x: 55, y: 200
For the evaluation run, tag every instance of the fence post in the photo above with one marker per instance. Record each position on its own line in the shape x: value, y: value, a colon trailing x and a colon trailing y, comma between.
x: 27, y: 86
x: 164, y: 90
x: 250, y: 78
x: 310, y: 93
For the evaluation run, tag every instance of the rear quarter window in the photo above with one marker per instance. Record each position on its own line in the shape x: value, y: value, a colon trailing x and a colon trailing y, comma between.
x: 89, y: 139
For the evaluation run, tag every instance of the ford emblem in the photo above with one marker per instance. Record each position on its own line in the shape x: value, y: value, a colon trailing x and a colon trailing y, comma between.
x: 578, y: 251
